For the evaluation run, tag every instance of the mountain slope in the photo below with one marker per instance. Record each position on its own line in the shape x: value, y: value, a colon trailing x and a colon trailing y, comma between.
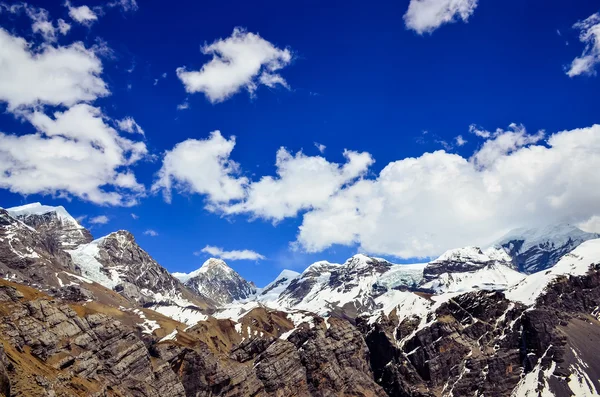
x: 117, y: 262
x: 537, y: 249
x: 218, y: 282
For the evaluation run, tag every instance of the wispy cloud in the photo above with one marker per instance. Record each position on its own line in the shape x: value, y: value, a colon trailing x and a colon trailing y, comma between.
x: 230, y: 255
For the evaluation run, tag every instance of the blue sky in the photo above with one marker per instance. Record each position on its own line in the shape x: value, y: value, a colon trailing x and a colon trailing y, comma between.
x: 360, y: 77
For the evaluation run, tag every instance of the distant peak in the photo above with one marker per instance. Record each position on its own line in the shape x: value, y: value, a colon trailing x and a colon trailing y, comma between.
x: 214, y: 263
x: 209, y: 266
x: 288, y: 274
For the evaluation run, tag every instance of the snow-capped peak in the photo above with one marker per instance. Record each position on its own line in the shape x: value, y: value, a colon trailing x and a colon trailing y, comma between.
x: 209, y: 266
x: 537, y: 249
x: 473, y: 255
x: 286, y: 274
x: 557, y: 235
x: 40, y: 209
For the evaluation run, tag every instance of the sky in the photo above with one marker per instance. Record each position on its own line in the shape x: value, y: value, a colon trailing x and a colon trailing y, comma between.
x: 276, y: 135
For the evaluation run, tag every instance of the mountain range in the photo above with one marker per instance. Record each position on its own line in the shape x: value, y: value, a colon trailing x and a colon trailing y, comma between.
x: 84, y: 316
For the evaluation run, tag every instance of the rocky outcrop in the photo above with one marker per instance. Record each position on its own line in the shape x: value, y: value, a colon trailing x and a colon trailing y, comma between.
x: 29, y: 257
x: 328, y: 359
x: 68, y: 353
x: 54, y: 224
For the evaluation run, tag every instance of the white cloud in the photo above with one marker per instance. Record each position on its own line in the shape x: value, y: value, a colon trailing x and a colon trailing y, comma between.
x: 423, y: 206
x: 425, y: 16
x: 234, y: 255
x: 320, y: 147
x: 99, y: 220
x: 201, y: 166
x: 415, y: 207
x: 184, y: 105
x: 242, y: 61
x: 302, y: 183
x: 128, y: 124
x: 125, y: 5
x: 591, y: 225
x: 52, y: 75
x: 480, y: 132
x: 460, y: 141
x: 151, y: 233
x: 589, y: 34
x: 504, y: 143
x: 76, y: 153
x: 40, y: 18
x: 63, y: 27
x: 134, y: 216
x: 82, y: 14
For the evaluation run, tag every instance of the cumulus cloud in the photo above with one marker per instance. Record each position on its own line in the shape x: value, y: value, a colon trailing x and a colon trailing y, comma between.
x: 151, y: 233
x: 504, y: 143
x: 425, y: 16
x: 52, y: 75
x: 242, y: 61
x: 234, y: 255
x: 128, y: 124
x: 82, y: 14
x: 99, y: 220
x: 589, y: 34
x: 202, y: 166
x: 302, y: 183
x: 415, y: 207
x: 74, y: 152
x: 419, y: 207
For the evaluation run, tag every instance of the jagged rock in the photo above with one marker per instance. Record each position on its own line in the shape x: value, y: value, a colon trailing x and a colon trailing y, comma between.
x: 117, y: 262
x: 92, y: 347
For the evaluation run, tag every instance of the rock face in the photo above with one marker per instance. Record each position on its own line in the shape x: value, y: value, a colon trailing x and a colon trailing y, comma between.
x: 117, y: 262
x: 55, y: 350
x: 534, y: 250
x: 28, y: 256
x: 323, y: 360
x: 53, y: 223
x: 218, y: 282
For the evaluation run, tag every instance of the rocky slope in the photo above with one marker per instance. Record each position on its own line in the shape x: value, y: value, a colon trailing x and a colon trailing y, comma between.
x: 117, y: 262
x: 28, y: 256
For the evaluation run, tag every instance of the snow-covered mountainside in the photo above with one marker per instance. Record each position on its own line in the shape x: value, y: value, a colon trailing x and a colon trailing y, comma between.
x: 55, y: 223
x: 348, y: 289
x: 470, y: 268
x: 272, y: 291
x: 218, y: 282
x: 575, y: 263
x: 537, y: 249
x: 118, y: 263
